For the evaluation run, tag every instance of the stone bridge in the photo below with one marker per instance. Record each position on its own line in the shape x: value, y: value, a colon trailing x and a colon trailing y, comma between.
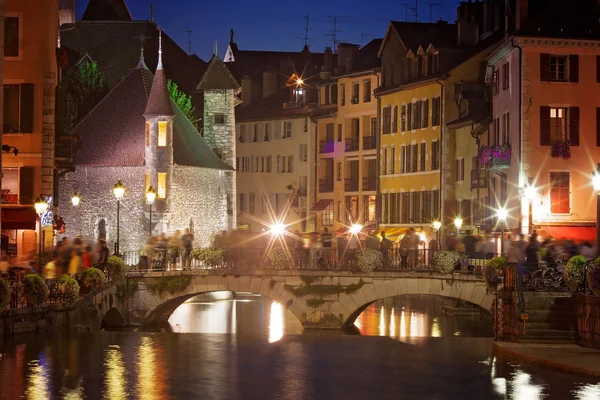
x: 318, y: 299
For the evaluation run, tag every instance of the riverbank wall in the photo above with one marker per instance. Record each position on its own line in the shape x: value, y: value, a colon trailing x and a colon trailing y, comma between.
x: 587, y: 315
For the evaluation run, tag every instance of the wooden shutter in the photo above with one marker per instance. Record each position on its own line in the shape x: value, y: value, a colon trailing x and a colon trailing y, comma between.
x: 544, y: 67
x: 597, y: 126
x: 545, y: 126
x: 418, y: 115
x: 395, y: 120
x: 26, y: 123
x: 26, y: 177
x: 574, y: 126
x: 426, y: 113
x: 466, y: 211
x: 573, y: 68
x: 409, y: 117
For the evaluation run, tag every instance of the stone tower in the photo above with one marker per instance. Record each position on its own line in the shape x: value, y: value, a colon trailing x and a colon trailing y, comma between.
x: 158, y: 164
x: 220, y: 89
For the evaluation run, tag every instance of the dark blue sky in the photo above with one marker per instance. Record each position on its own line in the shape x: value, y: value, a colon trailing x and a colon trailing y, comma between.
x: 268, y: 25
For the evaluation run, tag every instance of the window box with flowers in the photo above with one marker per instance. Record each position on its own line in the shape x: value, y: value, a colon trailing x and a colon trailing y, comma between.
x: 561, y: 149
x: 495, y: 157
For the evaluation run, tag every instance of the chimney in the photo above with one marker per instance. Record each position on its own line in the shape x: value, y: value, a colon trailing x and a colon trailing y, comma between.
x: 468, y: 16
x: 66, y: 14
x: 269, y: 83
x: 521, y: 13
x: 327, y: 60
x: 345, y: 51
x: 468, y: 32
x: 349, y: 63
x: 246, y: 91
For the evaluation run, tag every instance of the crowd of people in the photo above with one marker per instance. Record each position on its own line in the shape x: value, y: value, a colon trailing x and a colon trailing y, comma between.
x: 166, y: 252
x: 72, y: 257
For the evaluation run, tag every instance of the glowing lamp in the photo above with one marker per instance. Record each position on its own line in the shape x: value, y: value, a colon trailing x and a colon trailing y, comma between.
x: 530, y: 193
x: 458, y: 222
x: 502, y: 214
x: 299, y: 81
x: 355, y: 228
x: 437, y: 225
x: 150, y: 195
x: 119, y: 190
x: 596, y: 182
x: 277, y: 229
x: 41, y: 205
x: 75, y: 199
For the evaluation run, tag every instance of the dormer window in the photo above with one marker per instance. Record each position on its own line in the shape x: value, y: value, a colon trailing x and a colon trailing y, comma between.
x: 162, y: 133
x: 299, y: 95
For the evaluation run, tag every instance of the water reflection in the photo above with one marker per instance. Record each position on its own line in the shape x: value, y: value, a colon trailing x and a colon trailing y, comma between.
x: 276, y: 324
x: 150, y: 371
x: 422, y: 316
x: 38, y: 385
x: 115, y: 379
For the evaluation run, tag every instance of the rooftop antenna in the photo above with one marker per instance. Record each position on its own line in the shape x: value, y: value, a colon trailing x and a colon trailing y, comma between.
x: 189, y: 33
x: 335, y: 31
x: 405, y: 11
x: 362, y: 35
x: 431, y: 5
x: 152, y: 12
x: 142, y: 38
x: 415, y: 10
x: 306, y: 31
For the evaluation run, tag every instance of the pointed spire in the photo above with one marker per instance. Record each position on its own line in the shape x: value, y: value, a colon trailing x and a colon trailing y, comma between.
x: 159, y: 66
x: 215, y: 50
x: 142, y: 63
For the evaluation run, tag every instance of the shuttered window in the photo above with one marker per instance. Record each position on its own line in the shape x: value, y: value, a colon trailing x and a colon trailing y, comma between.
x: 395, y: 119
x: 423, y: 157
x: 560, y: 193
x: 559, y: 68
x: 26, y: 180
x: 18, y: 108
x: 559, y: 124
x: 11, y: 37
x: 387, y: 120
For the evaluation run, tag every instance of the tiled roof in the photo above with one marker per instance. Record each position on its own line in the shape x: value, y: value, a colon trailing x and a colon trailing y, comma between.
x: 579, y: 19
x: 159, y: 102
x: 217, y: 76
x: 113, y: 133
x: 107, y: 10
x: 115, y: 46
x: 415, y: 34
x: 271, y: 107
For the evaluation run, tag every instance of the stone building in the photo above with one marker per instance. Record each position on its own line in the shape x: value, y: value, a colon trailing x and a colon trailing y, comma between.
x: 139, y: 136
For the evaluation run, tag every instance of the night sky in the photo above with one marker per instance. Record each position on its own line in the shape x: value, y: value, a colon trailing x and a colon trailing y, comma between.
x: 260, y: 25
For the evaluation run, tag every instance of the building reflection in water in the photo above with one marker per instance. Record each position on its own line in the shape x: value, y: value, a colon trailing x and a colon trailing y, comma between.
x: 38, y: 387
x: 150, y: 371
x: 115, y: 379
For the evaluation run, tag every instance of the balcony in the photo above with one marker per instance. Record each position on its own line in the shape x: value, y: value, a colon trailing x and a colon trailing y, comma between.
x: 326, y: 185
x: 478, y: 179
x: 368, y: 142
x: 352, y: 143
x: 369, y: 184
x: 495, y: 157
x: 326, y: 146
x: 498, y: 163
x: 351, y: 185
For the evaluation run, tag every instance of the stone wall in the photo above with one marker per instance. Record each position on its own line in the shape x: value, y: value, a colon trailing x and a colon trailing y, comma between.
x: 94, y: 185
x: 587, y: 314
x: 198, y: 194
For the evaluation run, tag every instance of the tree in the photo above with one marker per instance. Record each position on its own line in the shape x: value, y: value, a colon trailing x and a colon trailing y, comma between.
x: 183, y: 101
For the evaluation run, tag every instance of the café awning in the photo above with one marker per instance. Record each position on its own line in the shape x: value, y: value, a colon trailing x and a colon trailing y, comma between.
x: 576, y: 233
x: 19, y: 217
x: 321, y: 205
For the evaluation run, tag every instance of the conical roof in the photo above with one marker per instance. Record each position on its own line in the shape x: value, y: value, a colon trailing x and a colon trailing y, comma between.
x: 159, y: 102
x: 217, y: 76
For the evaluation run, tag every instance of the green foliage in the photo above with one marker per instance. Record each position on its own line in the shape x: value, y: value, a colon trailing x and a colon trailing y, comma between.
x: 279, y: 258
x: 4, y: 294
x: 183, y: 101
x: 593, y: 277
x: 368, y: 259
x: 116, y: 268
x: 574, y: 272
x: 324, y: 290
x: 91, y: 279
x: 210, y: 256
x: 69, y: 289
x: 127, y: 289
x: 314, y: 302
x: 80, y: 91
x: 35, y: 289
x: 493, y: 272
x: 309, y: 279
x: 171, y: 284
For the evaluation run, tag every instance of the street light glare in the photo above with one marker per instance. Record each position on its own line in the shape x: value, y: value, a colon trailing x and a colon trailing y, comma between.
x: 150, y: 195
x: 40, y: 205
x: 437, y: 225
x: 355, y: 228
x: 530, y: 193
x: 458, y: 222
x: 502, y: 214
x: 119, y: 190
x: 596, y: 182
x: 277, y: 229
x: 75, y: 199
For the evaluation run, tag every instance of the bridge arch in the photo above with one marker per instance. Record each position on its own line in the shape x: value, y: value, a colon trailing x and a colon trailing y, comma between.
x: 318, y: 299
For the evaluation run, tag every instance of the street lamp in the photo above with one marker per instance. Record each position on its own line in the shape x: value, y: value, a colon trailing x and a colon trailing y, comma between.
x: 530, y: 193
x: 458, y: 223
x: 150, y: 196
x: 41, y: 206
x: 277, y: 229
x: 502, y: 214
x: 75, y: 199
x: 436, y: 227
x: 596, y: 182
x: 119, y: 191
x: 355, y: 229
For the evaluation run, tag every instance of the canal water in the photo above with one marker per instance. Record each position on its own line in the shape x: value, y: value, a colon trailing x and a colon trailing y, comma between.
x: 252, y: 348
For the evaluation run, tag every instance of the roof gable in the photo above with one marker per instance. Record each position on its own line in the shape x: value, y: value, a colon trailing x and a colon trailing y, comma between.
x: 107, y: 10
x: 217, y: 77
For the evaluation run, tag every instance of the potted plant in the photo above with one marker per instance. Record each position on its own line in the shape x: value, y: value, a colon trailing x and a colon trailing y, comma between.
x: 279, y: 258
x: 210, y: 256
x: 91, y: 279
x: 368, y: 259
x: 68, y: 289
x: 4, y: 294
x: 574, y: 272
x: 445, y: 261
x: 35, y: 289
x: 485, y: 155
x: 593, y: 276
x: 561, y: 149
x: 116, y: 268
x: 494, y: 271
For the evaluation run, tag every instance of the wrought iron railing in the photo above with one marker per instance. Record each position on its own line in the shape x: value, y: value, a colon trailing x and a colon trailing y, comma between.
x: 326, y: 146
x: 352, y: 143
x: 368, y: 142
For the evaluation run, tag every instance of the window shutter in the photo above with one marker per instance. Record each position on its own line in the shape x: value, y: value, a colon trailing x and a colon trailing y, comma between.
x: 544, y: 67
x: 26, y: 123
x: 574, y: 126
x: 598, y: 126
x: 26, y: 177
x: 545, y: 126
x: 598, y: 69
x: 573, y: 68
x: 426, y: 113
x: 409, y: 126
x: 291, y: 164
x: 277, y: 130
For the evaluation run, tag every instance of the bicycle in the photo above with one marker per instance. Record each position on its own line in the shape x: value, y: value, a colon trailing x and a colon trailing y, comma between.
x: 546, y: 278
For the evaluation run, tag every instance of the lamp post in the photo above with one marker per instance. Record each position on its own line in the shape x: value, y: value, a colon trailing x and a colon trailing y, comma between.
x: 596, y: 182
x: 530, y: 193
x: 119, y: 191
x: 150, y: 196
x: 41, y: 206
x: 436, y: 227
x: 502, y: 214
x: 458, y: 223
x: 75, y: 199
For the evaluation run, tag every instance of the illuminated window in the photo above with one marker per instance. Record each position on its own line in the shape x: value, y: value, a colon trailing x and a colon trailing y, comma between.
x: 147, y: 133
x: 162, y: 185
x: 162, y: 134
x: 147, y: 181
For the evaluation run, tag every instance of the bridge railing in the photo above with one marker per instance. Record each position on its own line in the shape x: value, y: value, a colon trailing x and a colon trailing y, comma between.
x: 295, y: 258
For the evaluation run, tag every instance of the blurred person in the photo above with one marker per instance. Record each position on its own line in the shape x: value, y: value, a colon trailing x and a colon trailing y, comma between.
x: 86, y: 257
x: 587, y: 251
x: 50, y: 268
x: 489, y: 247
x: 413, y: 246
x: 326, y: 240
x: 404, y: 251
x: 74, y: 263
x: 385, y: 246
x: 373, y: 242
x: 469, y: 242
x: 532, y: 257
x: 187, y: 242
x: 103, y: 254
x: 174, y: 246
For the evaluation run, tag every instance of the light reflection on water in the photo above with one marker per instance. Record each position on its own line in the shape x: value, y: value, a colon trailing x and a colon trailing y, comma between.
x: 116, y: 374
x: 38, y: 385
